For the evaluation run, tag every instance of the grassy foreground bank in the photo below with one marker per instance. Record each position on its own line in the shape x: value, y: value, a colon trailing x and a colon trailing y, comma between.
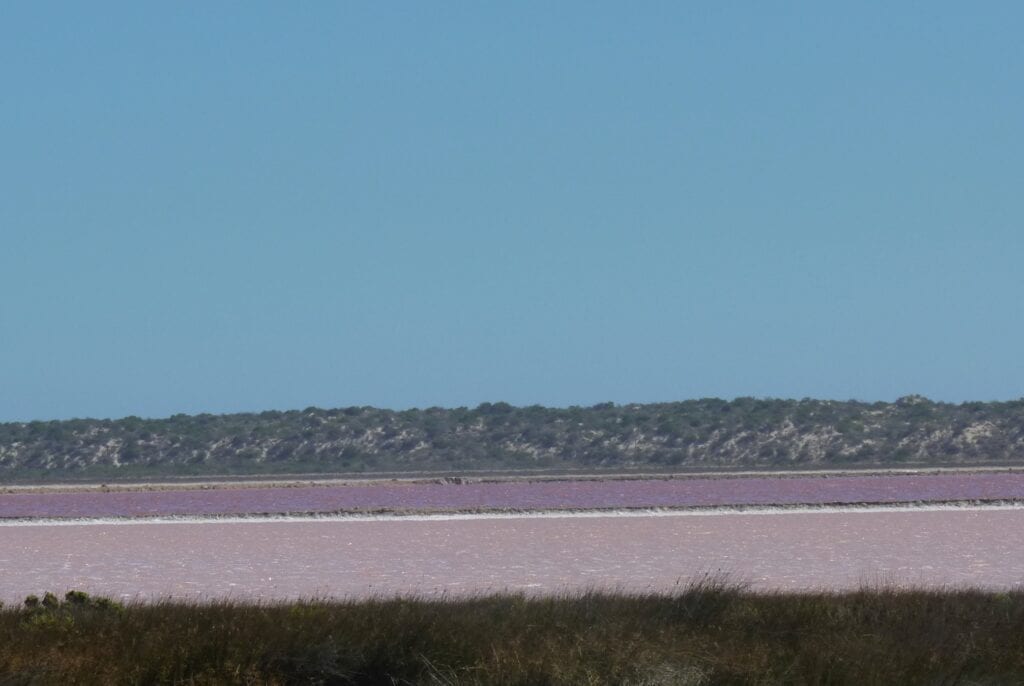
x: 709, y: 633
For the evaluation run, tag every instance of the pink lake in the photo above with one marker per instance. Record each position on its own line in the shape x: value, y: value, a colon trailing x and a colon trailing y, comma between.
x: 796, y: 550
x: 520, y: 495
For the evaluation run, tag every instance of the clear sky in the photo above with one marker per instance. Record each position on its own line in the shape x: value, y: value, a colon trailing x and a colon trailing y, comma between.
x: 215, y: 207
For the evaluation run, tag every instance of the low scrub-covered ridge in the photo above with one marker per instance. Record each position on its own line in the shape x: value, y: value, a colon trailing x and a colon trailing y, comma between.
x: 708, y: 433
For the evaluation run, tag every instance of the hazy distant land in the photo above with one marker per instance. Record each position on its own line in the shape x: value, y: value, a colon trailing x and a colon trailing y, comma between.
x: 712, y: 434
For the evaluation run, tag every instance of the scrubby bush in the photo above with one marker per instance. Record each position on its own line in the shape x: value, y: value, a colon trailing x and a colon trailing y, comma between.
x: 76, y: 598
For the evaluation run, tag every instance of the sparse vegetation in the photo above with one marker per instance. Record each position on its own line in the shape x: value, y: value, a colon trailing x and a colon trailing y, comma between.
x: 696, y: 434
x: 708, y: 633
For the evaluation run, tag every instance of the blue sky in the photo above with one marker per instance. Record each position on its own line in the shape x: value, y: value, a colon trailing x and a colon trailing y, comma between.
x: 213, y: 207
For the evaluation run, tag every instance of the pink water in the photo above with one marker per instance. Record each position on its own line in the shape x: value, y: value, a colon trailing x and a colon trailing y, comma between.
x: 519, y: 495
x: 275, y: 559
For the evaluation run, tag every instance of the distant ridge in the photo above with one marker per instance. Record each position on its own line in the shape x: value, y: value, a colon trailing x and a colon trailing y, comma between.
x: 693, y: 434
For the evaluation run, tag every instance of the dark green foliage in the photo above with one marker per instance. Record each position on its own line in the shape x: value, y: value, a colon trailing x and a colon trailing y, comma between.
x: 695, y: 434
x: 76, y: 598
x: 709, y: 633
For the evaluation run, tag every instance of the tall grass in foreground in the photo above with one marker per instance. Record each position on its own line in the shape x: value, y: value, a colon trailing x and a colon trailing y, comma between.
x: 708, y: 633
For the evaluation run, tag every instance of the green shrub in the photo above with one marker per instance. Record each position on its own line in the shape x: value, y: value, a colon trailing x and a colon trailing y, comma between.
x: 77, y: 598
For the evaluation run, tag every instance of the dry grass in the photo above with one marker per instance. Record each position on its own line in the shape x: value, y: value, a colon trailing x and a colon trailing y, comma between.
x: 708, y: 633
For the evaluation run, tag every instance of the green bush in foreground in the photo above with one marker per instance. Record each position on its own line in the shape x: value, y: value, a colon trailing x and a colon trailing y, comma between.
x: 706, y: 634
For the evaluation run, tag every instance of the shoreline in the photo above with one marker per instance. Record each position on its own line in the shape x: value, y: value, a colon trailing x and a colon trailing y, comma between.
x: 478, y: 515
x: 469, y: 477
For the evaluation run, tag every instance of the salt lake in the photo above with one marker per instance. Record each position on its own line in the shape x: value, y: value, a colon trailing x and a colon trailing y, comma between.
x: 542, y: 553
x: 519, y: 495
